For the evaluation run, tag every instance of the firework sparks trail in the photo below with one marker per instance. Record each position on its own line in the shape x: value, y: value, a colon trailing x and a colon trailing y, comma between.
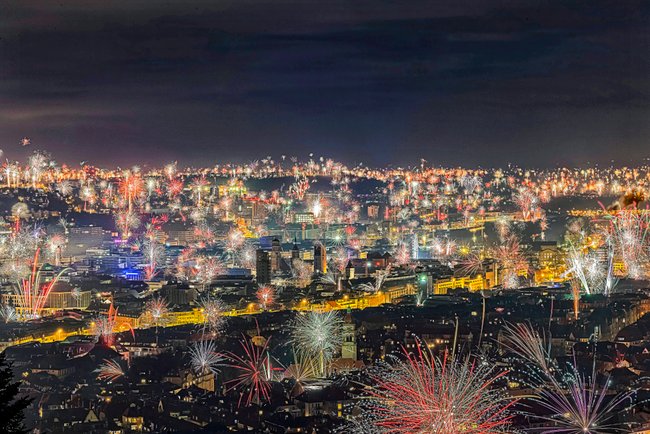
x: 8, y: 313
x: 525, y: 341
x: 265, y: 296
x: 153, y: 253
x: 205, y: 358
x: 587, y: 268
x: 582, y: 407
x: 105, y: 327
x: 213, y: 313
x: 630, y: 238
x: 430, y: 394
x: 319, y: 334
x: 303, y: 368
x: 512, y: 261
x: 156, y: 312
x: 576, y: 405
x: 126, y: 221
x: 32, y: 293
x: 110, y: 370
x: 380, y: 279
x: 472, y: 264
x: 255, y: 371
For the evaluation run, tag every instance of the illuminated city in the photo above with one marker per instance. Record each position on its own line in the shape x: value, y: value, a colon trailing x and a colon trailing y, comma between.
x: 270, y: 289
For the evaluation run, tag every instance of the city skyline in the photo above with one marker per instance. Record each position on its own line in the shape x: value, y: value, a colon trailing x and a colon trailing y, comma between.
x: 291, y: 216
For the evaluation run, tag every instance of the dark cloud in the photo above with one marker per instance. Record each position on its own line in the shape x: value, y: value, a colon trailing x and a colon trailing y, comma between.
x: 383, y: 82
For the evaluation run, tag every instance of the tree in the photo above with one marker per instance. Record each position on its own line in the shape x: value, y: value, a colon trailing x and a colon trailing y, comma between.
x: 11, y: 405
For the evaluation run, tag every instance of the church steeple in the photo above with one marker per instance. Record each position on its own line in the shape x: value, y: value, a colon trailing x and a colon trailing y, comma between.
x: 349, y: 347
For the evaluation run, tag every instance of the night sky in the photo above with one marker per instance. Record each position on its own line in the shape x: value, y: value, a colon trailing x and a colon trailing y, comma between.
x: 380, y: 82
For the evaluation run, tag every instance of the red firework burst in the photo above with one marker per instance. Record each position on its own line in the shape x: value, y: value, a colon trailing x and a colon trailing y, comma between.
x: 425, y: 393
x: 254, y: 370
x: 265, y: 296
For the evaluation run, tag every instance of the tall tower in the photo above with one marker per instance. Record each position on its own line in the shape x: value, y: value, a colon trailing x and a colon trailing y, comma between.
x: 295, y: 251
x: 276, y: 255
x: 349, y: 346
x: 320, y: 259
x: 263, y: 267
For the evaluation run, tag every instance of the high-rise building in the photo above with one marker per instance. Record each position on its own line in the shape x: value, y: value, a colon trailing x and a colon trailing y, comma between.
x: 320, y: 259
x: 263, y: 267
x: 276, y: 255
x: 373, y: 212
x: 413, y: 246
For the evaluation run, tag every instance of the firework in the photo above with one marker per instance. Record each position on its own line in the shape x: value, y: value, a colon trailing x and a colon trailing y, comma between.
x: 265, y: 296
x: 512, y: 261
x: 37, y: 164
x: 204, y: 357
x: 153, y: 253
x: 8, y: 313
x: 527, y: 203
x: 588, y: 269
x: 19, y: 211
x: 429, y: 394
x: 581, y: 407
x: 156, y: 311
x: 302, y: 369
x: 126, y: 221
x: 524, y: 340
x: 110, y: 370
x: 105, y: 327
x: 402, y: 255
x: 319, y: 335
x: 32, y: 293
x: 199, y: 185
x: 254, y: 371
x: 631, y: 242
x: 329, y: 278
x: 443, y: 249
x: 174, y: 187
x: 64, y: 187
x: 299, y: 188
x: 55, y: 245
x: 213, y: 313
x: 340, y: 259
x: 576, y: 405
x: 245, y: 256
x: 234, y: 240
x: 380, y: 279
x: 301, y: 272
x: 208, y: 268
x: 184, y: 268
x: 472, y: 264
x: 131, y: 187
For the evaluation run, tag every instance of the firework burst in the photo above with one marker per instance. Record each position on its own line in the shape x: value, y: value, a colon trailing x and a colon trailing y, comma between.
x: 110, y: 370
x: 581, y: 407
x: 32, y: 292
x: 254, y: 371
x: 205, y: 358
x: 302, y: 369
x: 444, y: 395
x: 156, y: 311
x: 153, y: 254
x: 8, y: 313
x: 265, y: 296
x: 574, y: 404
x: 319, y: 335
x: 213, y: 313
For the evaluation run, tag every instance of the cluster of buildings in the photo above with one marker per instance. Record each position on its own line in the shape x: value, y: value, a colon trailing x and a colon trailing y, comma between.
x: 399, y: 268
